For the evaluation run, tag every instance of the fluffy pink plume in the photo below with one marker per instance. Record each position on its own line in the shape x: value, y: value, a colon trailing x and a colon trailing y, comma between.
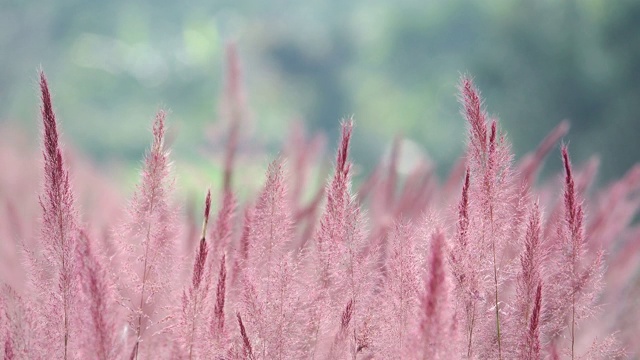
x: 435, y: 327
x: 399, y: 299
x: 101, y: 319
x: 59, y: 238
x: 490, y: 188
x: 528, y: 289
x: 576, y: 276
x: 195, y: 295
x: 148, y: 240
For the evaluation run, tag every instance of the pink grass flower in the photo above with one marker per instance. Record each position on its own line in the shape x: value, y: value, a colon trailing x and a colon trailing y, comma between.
x: 148, y: 240
x: 435, y: 313
x: 100, y: 317
x: 195, y: 295
x: 59, y: 235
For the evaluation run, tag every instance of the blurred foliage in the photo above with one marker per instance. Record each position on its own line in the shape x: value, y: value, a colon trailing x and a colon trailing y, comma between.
x: 393, y: 64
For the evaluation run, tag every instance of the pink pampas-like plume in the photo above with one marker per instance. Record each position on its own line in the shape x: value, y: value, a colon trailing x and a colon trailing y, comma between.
x: 417, y: 193
x: 220, y: 234
x: 19, y: 322
x: 194, y: 297
x: 435, y: 314
x: 338, y: 194
x: 584, y: 179
x: 217, y: 322
x: 492, y: 184
x: 528, y: 289
x: 528, y: 168
x: 574, y: 239
x: 303, y: 155
x: 246, y: 343
x: 531, y: 163
x: 330, y: 232
x: 6, y: 338
x: 532, y: 344
x: 242, y: 254
x: 347, y: 263
x: 617, y: 207
x: 201, y: 256
x: 338, y: 348
x: 270, y: 282
x: 59, y: 235
x: 399, y: 300
x: 577, y: 277
x: 272, y: 221
x: 149, y: 243
x: 476, y: 117
x: 465, y: 268
x: 100, y: 319
x: 235, y: 111
x: 9, y: 354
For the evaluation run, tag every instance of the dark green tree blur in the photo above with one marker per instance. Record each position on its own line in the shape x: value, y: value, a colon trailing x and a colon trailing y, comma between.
x: 392, y: 64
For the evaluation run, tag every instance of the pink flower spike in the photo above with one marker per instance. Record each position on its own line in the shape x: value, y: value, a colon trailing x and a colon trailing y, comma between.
x: 343, y: 151
x: 573, y: 209
x: 434, y: 312
x: 235, y: 111
x: 475, y: 115
x: 533, y: 338
x: 246, y: 344
x: 195, y: 296
x: 100, y: 317
x: 218, y: 314
x: 59, y: 231
x: 207, y: 210
x: 531, y: 163
x: 149, y: 241
x: 221, y: 232
x: 8, y: 347
x: 199, y: 263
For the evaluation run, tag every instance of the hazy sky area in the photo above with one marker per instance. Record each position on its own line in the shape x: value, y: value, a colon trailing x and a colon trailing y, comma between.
x: 394, y: 65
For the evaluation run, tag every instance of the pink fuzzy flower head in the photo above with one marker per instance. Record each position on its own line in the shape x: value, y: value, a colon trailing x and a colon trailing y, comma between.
x: 207, y: 210
x: 342, y: 166
x: 149, y: 242
x: 573, y: 208
x: 475, y: 114
x: 59, y: 230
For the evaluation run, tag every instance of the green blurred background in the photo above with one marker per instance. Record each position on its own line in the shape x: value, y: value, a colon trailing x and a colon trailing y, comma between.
x: 392, y: 64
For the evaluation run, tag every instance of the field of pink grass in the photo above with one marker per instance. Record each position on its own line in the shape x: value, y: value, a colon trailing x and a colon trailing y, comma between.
x: 488, y: 264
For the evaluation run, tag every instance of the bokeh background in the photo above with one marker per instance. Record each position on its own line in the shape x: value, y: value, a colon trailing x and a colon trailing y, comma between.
x: 392, y: 64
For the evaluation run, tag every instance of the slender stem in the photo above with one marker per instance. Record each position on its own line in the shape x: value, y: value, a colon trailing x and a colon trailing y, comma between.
x: 573, y: 318
x: 139, y: 329
x: 495, y: 281
x: 144, y: 282
x: 193, y: 322
x: 65, y: 287
x: 402, y: 275
x: 315, y: 342
x: 269, y: 257
x: 353, y: 296
x: 280, y: 325
x: 473, y: 320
